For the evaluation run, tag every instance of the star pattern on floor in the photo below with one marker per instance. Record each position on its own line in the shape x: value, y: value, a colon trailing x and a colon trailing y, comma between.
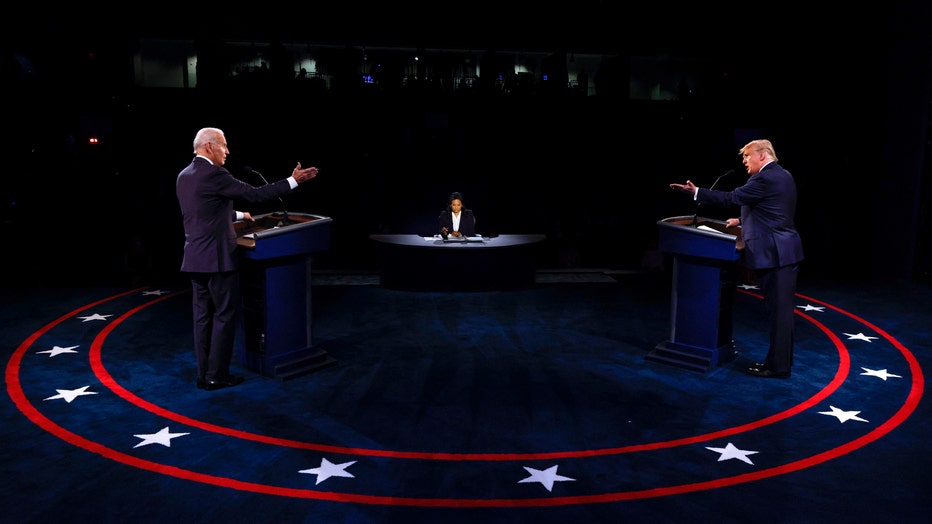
x: 70, y: 394
x: 810, y: 307
x: 843, y: 416
x: 58, y: 350
x: 156, y: 292
x: 328, y: 469
x: 546, y: 477
x: 732, y: 452
x: 859, y: 336
x: 880, y: 373
x: 95, y: 316
x: 748, y: 286
x: 163, y: 437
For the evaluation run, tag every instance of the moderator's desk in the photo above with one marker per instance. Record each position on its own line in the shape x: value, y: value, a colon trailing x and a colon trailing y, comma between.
x: 413, y: 262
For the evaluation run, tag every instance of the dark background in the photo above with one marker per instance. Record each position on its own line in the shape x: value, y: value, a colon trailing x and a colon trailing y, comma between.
x: 844, y: 96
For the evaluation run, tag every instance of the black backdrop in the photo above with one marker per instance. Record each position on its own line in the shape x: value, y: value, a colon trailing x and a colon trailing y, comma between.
x: 848, y: 118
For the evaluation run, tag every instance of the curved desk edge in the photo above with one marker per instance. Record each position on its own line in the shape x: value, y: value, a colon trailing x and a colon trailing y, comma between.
x: 487, y: 242
x: 414, y: 262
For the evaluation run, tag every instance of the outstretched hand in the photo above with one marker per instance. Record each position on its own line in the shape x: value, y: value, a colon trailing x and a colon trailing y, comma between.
x: 304, y: 174
x: 688, y: 187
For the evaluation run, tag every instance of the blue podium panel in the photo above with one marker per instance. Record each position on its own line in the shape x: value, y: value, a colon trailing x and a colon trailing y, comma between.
x: 705, y: 256
x: 276, y: 259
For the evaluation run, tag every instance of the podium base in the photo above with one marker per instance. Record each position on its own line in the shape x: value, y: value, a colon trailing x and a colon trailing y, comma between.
x: 292, y: 365
x: 692, y: 357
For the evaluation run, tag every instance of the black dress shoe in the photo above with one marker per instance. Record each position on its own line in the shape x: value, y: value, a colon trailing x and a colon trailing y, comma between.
x: 765, y: 372
x: 201, y: 383
x: 228, y: 382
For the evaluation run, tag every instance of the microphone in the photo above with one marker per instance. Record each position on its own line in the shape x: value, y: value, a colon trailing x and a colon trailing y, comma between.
x: 726, y: 173
x: 252, y: 171
x: 723, y: 175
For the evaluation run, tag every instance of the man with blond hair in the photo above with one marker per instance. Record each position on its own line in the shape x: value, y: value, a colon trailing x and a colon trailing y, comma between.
x: 773, y: 248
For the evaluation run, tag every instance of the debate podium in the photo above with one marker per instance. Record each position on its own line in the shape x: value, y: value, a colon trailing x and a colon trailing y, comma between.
x: 276, y: 259
x: 705, y: 270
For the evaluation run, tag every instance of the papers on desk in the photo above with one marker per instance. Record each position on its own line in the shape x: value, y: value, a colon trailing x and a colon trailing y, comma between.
x: 451, y: 239
x: 475, y: 238
x: 707, y: 228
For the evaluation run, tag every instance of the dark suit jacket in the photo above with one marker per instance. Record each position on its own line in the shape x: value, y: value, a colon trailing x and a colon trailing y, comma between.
x: 768, y: 205
x: 206, y: 194
x: 467, y: 221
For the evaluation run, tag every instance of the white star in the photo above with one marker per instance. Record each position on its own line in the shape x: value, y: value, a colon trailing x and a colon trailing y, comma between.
x: 882, y: 373
x: 58, y: 351
x: 809, y: 307
x: 731, y: 452
x: 843, y: 416
x: 156, y: 292
x: 328, y: 469
x: 163, y: 437
x: 71, y: 394
x: 860, y: 336
x: 748, y: 286
x: 546, y: 477
x: 95, y: 316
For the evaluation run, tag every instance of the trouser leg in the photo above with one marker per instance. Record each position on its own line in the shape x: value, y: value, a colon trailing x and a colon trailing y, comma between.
x: 779, y: 288
x: 224, y: 292
x: 203, y: 310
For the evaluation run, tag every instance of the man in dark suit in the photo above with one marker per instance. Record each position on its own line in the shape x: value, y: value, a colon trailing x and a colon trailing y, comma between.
x: 773, y: 248
x: 206, y: 192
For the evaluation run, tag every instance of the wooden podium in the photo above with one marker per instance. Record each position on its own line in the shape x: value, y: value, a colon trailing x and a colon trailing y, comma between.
x: 705, y: 255
x: 276, y: 259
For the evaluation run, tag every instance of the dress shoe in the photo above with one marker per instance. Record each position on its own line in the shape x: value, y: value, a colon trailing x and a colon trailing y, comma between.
x: 201, y: 383
x: 765, y: 372
x: 227, y: 382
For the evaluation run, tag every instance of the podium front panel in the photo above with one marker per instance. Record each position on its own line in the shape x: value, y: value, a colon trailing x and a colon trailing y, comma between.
x: 276, y: 274
x: 705, y: 255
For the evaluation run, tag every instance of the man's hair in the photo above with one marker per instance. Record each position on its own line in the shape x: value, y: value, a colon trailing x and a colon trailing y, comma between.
x: 759, y: 145
x: 205, y: 135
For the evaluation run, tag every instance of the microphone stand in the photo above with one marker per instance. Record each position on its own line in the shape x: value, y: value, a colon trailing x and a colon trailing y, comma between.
x: 726, y: 173
x: 284, y: 220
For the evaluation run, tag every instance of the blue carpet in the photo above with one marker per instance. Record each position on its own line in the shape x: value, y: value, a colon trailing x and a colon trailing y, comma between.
x: 534, y: 405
